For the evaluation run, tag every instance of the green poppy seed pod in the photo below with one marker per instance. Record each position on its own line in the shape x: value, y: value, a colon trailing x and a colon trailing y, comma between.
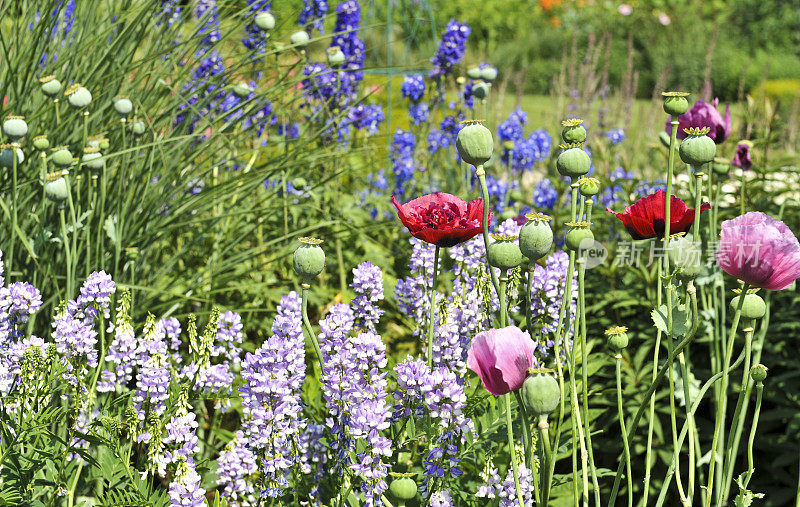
x: 474, y: 73
x: 578, y: 236
x: 504, y: 253
x: 50, y: 86
x: 686, y: 255
x: 589, y: 186
x: 56, y: 189
x: 508, y: 213
x: 474, y: 143
x: 664, y: 138
x: 92, y: 158
x: 265, y: 21
x: 15, y: 127
x: 138, y: 127
x: 7, y: 156
x: 573, y: 132
x: 675, y: 103
x: 488, y: 73
x: 403, y: 488
x: 336, y: 57
x: 758, y: 373
x: 78, y: 96
x: 540, y: 392
x: 721, y: 166
x: 573, y: 162
x: 617, y: 338
x: 753, y: 307
x: 300, y: 39
x: 61, y: 157
x: 123, y: 106
x: 480, y: 90
x: 309, y: 259
x: 103, y: 144
x: 242, y: 90
x: 536, y: 236
x: 41, y: 143
x: 697, y: 148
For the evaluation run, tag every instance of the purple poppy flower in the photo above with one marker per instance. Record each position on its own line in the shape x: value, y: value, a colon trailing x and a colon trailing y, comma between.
x: 703, y: 114
x: 742, y: 157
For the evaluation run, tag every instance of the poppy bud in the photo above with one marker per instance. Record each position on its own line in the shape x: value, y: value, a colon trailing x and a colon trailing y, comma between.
x: 480, y: 90
x: 577, y: 234
x: 589, y: 186
x: 697, y: 148
x: 335, y: 57
x: 265, y: 21
x: 721, y: 166
x: 403, y: 488
x: 488, y: 73
x: 7, y: 155
x: 685, y: 254
x: 753, y: 307
x: 536, y: 236
x: 123, y: 106
x: 664, y: 138
x: 474, y: 143
x: 15, y: 127
x: 41, y: 143
x: 617, y: 338
x: 242, y: 90
x: 573, y: 132
x: 540, y: 392
x: 92, y: 158
x: 55, y: 188
x: 504, y: 253
x: 50, y: 86
x: 474, y: 72
x: 758, y: 373
x: 308, y: 260
x: 675, y: 103
x: 61, y: 157
x: 300, y: 39
x: 78, y: 96
x: 138, y: 127
x: 573, y: 162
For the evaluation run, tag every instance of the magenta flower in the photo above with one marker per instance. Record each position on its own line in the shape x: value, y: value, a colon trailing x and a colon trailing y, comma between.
x: 703, y: 114
x: 759, y: 250
x: 501, y: 358
x: 742, y: 157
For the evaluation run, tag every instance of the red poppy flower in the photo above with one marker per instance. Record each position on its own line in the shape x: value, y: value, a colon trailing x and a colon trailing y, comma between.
x: 442, y: 219
x: 645, y: 218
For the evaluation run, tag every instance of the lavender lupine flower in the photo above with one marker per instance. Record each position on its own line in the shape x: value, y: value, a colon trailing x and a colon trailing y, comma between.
x: 507, y: 492
x: 549, y: 284
x: 545, y: 194
x: 75, y: 338
x: 185, y: 489
x: 491, y: 480
x: 314, y: 454
x: 271, y: 396
x: 401, y: 154
x: 152, y: 385
x: 235, y: 465
x: 121, y: 356
x: 451, y: 49
x: 616, y: 135
x: 170, y: 328
x: 206, y: 12
x: 18, y: 302
x: 413, y: 87
x: 229, y: 337
x: 181, y: 433
x: 95, y: 296
x: 313, y: 15
x: 368, y: 286
x: 442, y: 498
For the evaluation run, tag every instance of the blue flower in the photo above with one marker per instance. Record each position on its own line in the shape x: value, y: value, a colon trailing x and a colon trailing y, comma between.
x: 413, y: 87
x: 545, y: 194
x: 451, y: 49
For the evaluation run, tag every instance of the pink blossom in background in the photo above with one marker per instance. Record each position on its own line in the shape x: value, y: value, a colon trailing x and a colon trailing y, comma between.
x: 625, y: 9
x: 760, y: 250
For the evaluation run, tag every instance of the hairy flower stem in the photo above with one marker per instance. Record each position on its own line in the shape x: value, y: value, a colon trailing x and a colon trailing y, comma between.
x: 621, y: 413
x: 432, y: 318
x: 546, y: 458
x: 307, y: 326
x: 481, y: 174
x: 526, y: 432
x: 503, y: 304
x: 14, y: 204
x: 585, y: 374
x: 698, y: 201
x: 651, y: 413
x: 744, y: 390
x: 751, y: 439
x: 722, y: 402
x: 512, y: 451
x: 528, y: 295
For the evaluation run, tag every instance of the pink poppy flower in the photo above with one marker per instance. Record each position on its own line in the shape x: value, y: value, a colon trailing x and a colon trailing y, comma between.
x: 759, y: 250
x: 501, y: 358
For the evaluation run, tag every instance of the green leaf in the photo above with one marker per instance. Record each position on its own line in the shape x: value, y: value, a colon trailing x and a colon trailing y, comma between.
x: 680, y: 319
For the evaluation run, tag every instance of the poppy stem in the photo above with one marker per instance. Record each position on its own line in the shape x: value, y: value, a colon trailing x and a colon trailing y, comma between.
x: 433, y: 305
x: 512, y: 450
x: 623, y: 431
x: 481, y: 174
x: 503, y: 309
